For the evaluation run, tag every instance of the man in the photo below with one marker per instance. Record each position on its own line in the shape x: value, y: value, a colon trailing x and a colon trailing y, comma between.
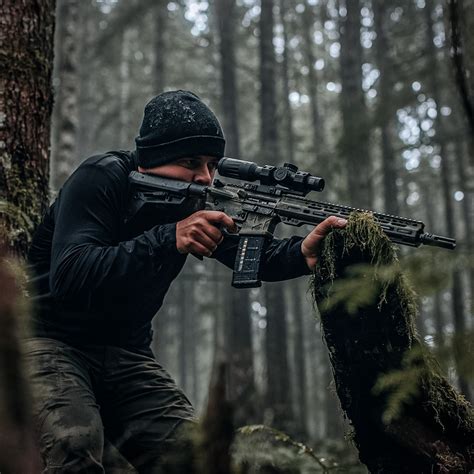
x: 100, y: 280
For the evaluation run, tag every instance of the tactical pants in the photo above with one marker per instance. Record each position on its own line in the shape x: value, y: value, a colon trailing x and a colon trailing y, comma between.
x: 84, y: 394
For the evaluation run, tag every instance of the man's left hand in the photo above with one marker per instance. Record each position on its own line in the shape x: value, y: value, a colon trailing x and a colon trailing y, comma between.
x: 310, y: 245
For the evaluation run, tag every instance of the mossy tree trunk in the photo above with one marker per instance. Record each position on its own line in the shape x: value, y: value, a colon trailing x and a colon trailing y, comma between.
x: 26, y: 56
x: 406, y: 417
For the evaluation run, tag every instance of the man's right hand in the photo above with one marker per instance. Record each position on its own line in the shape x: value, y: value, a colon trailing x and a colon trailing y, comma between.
x: 199, y: 233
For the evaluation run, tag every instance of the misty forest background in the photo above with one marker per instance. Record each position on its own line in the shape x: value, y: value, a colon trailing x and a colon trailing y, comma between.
x: 361, y: 92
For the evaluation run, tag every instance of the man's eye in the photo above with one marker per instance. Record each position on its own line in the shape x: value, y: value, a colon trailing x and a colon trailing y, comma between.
x: 190, y: 164
x: 212, y: 165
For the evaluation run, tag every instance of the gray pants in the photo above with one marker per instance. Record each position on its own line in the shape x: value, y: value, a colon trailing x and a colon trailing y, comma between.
x: 84, y: 394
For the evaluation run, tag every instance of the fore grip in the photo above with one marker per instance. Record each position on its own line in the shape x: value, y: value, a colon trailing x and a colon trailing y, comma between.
x: 247, y: 261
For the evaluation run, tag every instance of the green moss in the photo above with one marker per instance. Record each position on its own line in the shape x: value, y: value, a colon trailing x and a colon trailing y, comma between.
x: 22, y: 204
x: 383, y: 371
x: 365, y: 283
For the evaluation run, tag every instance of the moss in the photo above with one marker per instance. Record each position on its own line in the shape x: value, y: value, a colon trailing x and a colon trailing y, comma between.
x: 384, y: 374
x: 364, y: 234
x: 22, y: 201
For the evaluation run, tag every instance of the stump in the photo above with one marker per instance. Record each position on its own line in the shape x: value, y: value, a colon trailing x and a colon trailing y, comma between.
x: 405, y: 416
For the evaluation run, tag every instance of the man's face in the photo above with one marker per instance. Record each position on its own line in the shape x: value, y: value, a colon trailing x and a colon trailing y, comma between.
x: 195, y: 169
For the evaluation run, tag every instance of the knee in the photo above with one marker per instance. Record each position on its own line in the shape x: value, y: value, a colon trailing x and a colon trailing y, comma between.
x: 72, y: 447
x: 80, y: 441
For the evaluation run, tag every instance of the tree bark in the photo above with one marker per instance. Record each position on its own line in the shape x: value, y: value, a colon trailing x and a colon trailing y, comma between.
x: 26, y: 98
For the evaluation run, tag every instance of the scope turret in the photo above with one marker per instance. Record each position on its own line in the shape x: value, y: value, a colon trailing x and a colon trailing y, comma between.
x: 287, y: 175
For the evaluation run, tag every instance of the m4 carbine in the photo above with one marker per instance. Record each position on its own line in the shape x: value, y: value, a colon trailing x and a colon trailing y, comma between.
x: 263, y: 197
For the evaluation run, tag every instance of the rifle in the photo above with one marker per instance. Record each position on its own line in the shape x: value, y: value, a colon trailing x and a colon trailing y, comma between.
x: 257, y: 208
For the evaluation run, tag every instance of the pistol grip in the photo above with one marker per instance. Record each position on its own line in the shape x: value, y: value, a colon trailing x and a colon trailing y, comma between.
x: 247, y: 261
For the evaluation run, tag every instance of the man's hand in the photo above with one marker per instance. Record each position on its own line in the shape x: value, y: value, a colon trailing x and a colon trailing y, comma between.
x: 199, y: 233
x: 310, y: 245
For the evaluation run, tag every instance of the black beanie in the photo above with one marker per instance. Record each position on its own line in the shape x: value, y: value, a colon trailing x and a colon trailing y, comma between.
x: 177, y: 124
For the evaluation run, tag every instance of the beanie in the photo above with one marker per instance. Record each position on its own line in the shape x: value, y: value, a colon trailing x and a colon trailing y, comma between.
x: 177, y: 124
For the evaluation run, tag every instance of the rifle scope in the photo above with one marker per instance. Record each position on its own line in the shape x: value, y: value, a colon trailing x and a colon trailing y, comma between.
x: 286, y: 175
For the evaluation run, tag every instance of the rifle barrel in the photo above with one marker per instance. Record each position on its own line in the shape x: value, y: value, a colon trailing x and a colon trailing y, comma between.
x: 438, y: 241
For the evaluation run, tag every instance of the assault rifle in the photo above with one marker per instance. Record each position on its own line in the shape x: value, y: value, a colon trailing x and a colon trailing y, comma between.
x: 256, y: 208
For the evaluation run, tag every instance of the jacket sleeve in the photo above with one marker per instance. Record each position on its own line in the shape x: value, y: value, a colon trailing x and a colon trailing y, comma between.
x: 86, y: 256
x: 283, y: 258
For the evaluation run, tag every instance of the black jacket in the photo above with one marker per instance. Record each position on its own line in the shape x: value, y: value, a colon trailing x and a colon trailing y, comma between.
x: 99, y: 282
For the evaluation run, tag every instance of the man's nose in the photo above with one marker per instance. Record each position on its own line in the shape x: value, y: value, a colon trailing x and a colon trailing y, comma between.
x: 203, y: 176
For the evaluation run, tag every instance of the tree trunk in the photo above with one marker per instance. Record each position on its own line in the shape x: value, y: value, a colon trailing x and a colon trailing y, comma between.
x: 225, y: 11
x: 317, y: 126
x: 354, y: 143
x: 299, y: 352
x: 160, y: 20
x: 438, y: 315
x: 287, y: 111
x: 299, y: 359
x: 467, y: 209
x: 268, y: 110
x: 406, y: 417
x: 127, y: 38
x: 66, y: 113
x: 26, y: 98
x: 385, y: 110
x: 183, y: 333
x: 278, y: 404
x: 26, y: 49
x: 238, y: 332
x: 457, y: 297
x: 277, y: 394
x: 463, y: 74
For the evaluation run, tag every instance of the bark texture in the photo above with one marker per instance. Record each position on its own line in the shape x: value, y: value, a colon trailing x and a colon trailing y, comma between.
x: 26, y: 98
x: 406, y: 417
